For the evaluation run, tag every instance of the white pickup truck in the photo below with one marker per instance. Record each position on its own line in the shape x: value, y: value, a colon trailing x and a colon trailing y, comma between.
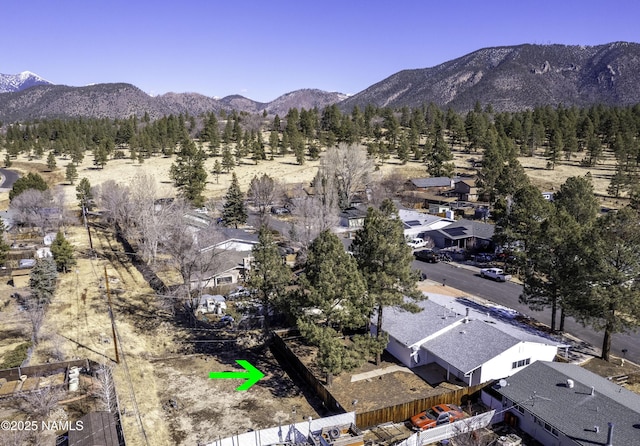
x: 417, y: 243
x: 495, y: 274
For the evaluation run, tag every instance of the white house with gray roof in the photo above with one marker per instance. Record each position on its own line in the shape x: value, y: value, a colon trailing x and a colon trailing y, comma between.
x: 561, y: 404
x: 471, y: 345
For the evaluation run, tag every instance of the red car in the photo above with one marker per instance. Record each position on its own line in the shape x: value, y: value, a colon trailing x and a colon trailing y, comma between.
x: 436, y: 416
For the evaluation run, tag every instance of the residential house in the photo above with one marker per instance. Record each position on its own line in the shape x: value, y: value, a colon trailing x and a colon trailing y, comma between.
x: 230, y: 269
x: 464, y: 234
x: 465, y: 189
x: 352, y: 218
x: 417, y: 224
x: 466, y: 343
x: 234, y: 260
x: 562, y: 404
x: 433, y: 184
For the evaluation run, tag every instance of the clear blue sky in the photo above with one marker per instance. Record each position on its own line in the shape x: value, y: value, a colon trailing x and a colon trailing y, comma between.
x: 263, y: 49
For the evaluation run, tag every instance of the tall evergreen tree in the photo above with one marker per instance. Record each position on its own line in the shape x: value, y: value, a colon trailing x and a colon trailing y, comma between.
x: 71, y: 173
x: 384, y: 259
x: 234, y: 211
x: 612, y: 302
x: 188, y: 172
x: 84, y: 194
x: 62, y: 252
x: 269, y: 275
x: 42, y: 280
x: 51, y: 161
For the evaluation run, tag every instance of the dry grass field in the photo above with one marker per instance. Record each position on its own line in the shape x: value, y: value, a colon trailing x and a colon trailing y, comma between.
x: 162, y: 379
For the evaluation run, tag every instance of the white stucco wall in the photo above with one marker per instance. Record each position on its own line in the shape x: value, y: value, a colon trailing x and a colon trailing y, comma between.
x: 502, y: 365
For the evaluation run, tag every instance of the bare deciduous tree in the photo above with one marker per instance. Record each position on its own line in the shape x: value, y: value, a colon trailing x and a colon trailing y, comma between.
x: 32, y: 207
x: 193, y: 253
x: 263, y: 191
x: 107, y: 391
x: 40, y: 403
x: 350, y: 168
x: 117, y: 207
x: 315, y: 213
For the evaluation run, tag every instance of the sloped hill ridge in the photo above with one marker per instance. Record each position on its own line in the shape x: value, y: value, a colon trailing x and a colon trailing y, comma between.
x: 515, y: 78
x: 123, y: 100
x: 510, y: 78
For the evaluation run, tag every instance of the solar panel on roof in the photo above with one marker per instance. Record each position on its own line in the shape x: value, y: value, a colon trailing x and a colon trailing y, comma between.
x: 412, y: 223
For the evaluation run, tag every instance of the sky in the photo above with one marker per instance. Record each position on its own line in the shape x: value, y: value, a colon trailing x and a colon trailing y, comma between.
x: 263, y: 49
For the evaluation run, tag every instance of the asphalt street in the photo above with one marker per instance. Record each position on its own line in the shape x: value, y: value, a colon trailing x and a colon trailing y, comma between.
x: 8, y: 177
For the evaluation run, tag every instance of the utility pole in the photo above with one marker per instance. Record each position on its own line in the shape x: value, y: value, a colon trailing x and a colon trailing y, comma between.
x: 113, y: 322
x: 86, y: 224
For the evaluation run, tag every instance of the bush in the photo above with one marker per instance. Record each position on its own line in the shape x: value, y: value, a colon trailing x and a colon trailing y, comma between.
x: 15, y: 357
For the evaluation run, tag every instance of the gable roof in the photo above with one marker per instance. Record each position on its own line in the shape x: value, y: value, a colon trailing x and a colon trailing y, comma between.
x: 466, y: 338
x: 541, y: 388
x: 411, y: 328
x: 440, y: 325
x: 432, y: 182
x: 464, y: 228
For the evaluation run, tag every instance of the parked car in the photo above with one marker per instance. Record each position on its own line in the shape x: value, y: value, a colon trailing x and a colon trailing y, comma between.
x: 417, y: 243
x: 426, y: 255
x: 436, y: 416
x: 279, y: 210
x: 239, y: 293
x: 495, y: 274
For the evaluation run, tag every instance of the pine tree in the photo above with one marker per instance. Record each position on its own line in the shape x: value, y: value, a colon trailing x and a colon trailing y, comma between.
x: 30, y: 181
x: 217, y: 170
x: 269, y: 275
x: 71, y: 173
x: 84, y: 194
x: 42, y: 280
x: 51, y: 161
x: 384, y: 259
x: 228, y: 163
x: 188, y: 172
x: 62, y: 252
x: 4, y: 246
x: 234, y: 212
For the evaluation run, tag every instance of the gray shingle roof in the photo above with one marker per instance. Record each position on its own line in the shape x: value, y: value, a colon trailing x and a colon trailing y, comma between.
x: 541, y: 389
x: 468, y: 228
x: 410, y: 328
x: 432, y: 182
x: 479, y: 341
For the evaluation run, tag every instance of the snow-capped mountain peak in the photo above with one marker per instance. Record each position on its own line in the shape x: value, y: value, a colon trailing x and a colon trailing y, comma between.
x: 15, y: 82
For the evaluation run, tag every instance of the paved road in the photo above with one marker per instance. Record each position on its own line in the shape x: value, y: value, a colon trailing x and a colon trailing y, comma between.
x: 507, y: 294
x: 9, y: 177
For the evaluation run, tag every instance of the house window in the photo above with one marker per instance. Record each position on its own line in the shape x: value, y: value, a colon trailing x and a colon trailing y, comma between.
x: 519, y: 409
x: 521, y: 363
x: 552, y: 430
x: 223, y: 280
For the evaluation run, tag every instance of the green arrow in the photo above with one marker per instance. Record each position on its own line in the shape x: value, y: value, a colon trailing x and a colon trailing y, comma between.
x: 251, y: 374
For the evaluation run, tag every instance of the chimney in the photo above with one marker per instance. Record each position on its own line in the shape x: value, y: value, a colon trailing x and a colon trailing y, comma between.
x: 592, y: 391
x: 610, y: 435
x: 466, y: 316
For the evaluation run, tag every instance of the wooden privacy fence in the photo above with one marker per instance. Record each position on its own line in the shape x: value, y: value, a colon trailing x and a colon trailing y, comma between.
x: 401, y: 412
x: 396, y: 413
x: 307, y: 375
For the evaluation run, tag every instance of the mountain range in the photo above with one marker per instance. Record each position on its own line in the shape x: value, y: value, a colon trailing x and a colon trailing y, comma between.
x: 510, y: 78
